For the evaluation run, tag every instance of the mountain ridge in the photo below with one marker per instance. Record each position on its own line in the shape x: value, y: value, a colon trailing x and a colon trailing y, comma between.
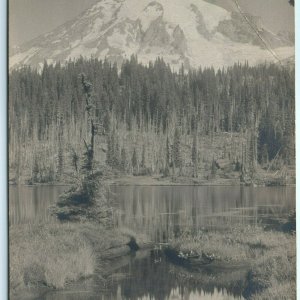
x: 192, y: 33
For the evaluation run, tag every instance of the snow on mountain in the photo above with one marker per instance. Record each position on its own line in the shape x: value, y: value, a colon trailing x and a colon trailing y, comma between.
x: 190, y: 32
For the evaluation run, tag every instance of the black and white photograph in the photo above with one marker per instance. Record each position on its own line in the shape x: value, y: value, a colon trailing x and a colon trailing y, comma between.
x: 151, y: 150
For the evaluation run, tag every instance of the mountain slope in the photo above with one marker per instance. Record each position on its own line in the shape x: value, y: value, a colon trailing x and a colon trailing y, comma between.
x: 190, y: 32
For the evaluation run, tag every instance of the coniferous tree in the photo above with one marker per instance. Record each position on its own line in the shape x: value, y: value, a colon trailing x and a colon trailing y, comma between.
x: 214, y: 168
x: 117, y: 157
x: 134, y: 161
x: 177, y: 158
x: 123, y: 160
x: 143, y: 162
x: 74, y: 160
x: 35, y: 170
x: 167, y: 162
x: 85, y: 200
x: 113, y: 151
x: 147, y: 99
x: 109, y: 151
x: 264, y: 159
x: 195, y: 155
x: 60, y: 154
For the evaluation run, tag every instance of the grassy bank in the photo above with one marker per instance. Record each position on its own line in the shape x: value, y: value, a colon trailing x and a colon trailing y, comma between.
x: 53, y: 255
x: 230, y: 180
x: 269, y: 257
x: 225, y: 176
x: 169, y: 181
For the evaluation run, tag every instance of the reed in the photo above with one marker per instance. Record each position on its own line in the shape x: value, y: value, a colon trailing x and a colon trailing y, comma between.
x: 270, y: 257
x: 49, y: 255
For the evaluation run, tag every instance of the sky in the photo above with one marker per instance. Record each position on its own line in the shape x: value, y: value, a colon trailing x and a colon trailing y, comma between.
x: 30, y: 18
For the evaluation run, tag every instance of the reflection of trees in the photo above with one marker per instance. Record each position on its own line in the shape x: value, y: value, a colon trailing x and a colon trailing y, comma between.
x: 162, y: 212
x: 152, y: 277
x: 30, y: 204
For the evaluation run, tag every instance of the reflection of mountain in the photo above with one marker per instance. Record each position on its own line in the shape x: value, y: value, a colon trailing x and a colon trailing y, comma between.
x: 190, y: 32
x: 163, y: 212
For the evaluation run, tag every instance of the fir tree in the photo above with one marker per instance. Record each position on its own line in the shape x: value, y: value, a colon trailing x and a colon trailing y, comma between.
x: 214, y: 168
x: 150, y: 99
x: 60, y: 148
x: 134, y: 162
x: 177, y: 159
x: 85, y: 200
x: 123, y: 160
x: 195, y: 155
x: 167, y: 162
x: 143, y: 162
x: 264, y: 155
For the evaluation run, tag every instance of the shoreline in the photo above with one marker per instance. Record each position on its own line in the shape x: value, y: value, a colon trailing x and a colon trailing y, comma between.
x: 48, y: 262
x: 131, y: 180
x: 252, y: 252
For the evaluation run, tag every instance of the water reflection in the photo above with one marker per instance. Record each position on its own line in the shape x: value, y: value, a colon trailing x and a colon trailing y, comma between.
x: 146, y: 278
x: 164, y: 212
x: 30, y: 204
x: 174, y: 294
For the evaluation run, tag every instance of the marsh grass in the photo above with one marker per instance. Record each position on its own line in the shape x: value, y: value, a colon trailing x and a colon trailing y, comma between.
x: 270, y: 257
x: 54, y: 255
x: 282, y: 291
x: 50, y: 255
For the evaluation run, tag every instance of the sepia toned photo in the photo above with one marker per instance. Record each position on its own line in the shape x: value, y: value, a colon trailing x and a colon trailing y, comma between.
x: 151, y: 149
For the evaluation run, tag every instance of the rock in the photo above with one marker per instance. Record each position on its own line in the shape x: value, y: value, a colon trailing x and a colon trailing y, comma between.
x: 133, y: 245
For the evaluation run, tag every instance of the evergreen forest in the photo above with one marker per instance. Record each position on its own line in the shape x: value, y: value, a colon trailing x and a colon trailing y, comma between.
x: 152, y: 120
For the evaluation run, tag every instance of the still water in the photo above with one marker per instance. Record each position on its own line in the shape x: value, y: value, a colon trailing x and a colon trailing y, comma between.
x: 161, y: 212
x: 164, y: 212
x: 146, y: 276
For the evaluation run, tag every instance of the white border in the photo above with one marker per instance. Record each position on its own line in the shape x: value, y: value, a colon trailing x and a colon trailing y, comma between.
x: 3, y: 146
x: 3, y: 153
x: 297, y: 86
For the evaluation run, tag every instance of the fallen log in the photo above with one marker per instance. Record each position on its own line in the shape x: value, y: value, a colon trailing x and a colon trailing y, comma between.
x: 194, y: 261
x: 188, y: 259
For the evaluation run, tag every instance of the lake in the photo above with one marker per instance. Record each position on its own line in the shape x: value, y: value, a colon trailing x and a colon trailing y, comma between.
x: 161, y: 212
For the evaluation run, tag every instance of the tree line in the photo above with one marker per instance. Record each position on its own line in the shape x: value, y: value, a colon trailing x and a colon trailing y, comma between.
x: 150, y: 118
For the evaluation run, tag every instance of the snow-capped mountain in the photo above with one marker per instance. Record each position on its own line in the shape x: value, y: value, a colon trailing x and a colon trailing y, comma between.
x: 189, y: 32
